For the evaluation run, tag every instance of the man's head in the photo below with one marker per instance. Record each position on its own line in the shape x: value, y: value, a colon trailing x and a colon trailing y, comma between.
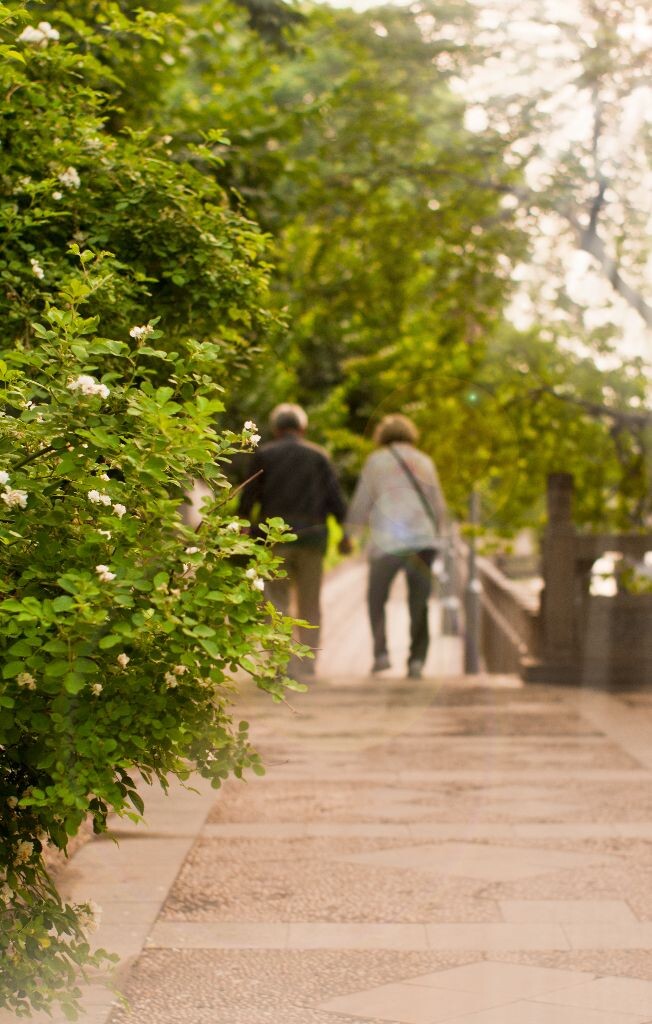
x: 288, y: 418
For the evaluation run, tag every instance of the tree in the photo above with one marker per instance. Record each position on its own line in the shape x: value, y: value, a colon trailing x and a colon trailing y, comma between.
x: 396, y: 263
x: 569, y: 90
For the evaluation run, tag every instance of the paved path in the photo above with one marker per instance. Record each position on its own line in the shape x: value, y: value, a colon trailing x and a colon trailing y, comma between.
x: 476, y: 852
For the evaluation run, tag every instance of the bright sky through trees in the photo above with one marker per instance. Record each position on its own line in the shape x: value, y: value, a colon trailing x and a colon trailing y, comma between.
x: 569, y: 85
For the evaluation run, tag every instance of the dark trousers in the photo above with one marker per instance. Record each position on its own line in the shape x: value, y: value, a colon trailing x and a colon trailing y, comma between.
x: 382, y: 570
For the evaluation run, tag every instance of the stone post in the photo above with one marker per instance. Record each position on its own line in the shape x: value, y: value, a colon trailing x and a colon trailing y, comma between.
x: 559, y: 555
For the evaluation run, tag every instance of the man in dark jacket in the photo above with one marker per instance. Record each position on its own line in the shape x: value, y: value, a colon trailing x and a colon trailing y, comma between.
x: 294, y: 479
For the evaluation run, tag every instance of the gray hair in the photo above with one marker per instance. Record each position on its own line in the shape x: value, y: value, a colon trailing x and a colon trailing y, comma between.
x: 395, y: 427
x: 288, y: 416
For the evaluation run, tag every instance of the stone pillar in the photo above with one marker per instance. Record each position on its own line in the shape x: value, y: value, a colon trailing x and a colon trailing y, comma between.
x: 559, y: 555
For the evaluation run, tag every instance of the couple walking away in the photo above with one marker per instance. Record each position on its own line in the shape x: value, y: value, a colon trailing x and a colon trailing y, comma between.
x: 398, y: 504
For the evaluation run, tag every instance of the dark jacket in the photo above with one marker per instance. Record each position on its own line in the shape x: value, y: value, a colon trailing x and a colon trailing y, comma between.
x: 298, y: 484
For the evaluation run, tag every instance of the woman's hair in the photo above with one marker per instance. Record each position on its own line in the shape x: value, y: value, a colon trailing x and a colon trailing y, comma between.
x: 395, y: 427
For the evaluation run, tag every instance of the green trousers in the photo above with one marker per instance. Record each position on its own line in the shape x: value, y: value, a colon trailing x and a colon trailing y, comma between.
x: 299, y: 593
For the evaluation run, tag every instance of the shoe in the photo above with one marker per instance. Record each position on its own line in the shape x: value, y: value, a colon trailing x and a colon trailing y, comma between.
x: 380, y: 663
x: 415, y: 669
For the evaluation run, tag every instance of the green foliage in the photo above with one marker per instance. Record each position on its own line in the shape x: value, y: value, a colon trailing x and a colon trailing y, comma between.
x: 177, y: 241
x: 501, y: 417
x: 396, y: 263
x: 121, y: 629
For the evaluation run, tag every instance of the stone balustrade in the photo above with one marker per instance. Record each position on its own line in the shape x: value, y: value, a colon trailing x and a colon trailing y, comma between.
x: 570, y: 636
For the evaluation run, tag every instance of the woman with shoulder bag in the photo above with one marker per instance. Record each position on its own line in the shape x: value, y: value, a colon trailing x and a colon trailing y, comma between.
x: 399, y: 499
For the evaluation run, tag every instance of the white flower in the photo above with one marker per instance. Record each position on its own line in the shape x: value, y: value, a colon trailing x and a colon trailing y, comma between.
x: 256, y: 581
x: 24, y: 852
x: 39, y: 36
x: 123, y: 660
x: 4, y: 477
x: 6, y: 894
x: 104, y: 573
x: 70, y: 178
x: 12, y: 801
x: 250, y: 426
x: 104, y: 476
x: 254, y: 439
x: 88, y: 386
x: 119, y: 509
x: 37, y: 269
x: 192, y: 551
x: 233, y: 527
x: 50, y: 33
x: 98, y: 497
x: 96, y: 689
x: 13, y: 496
x: 57, y: 195
x: 170, y: 680
x: 179, y: 670
x: 89, y: 915
x: 140, y: 332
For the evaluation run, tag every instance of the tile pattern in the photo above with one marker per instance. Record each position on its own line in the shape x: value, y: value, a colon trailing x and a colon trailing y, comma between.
x: 490, y: 993
x: 458, y: 850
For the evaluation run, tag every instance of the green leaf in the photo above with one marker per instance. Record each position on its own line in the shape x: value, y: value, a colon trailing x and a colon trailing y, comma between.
x: 73, y: 683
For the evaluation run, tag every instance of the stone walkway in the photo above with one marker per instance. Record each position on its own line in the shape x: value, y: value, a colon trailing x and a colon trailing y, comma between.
x: 452, y: 850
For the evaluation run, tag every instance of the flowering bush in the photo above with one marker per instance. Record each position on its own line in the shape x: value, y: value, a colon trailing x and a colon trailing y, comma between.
x: 120, y: 627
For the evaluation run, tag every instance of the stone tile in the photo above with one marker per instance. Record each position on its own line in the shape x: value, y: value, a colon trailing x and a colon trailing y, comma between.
x: 515, y: 793
x: 637, y: 935
x: 493, y: 937
x: 531, y: 808
x: 538, y: 1013
x: 624, y: 725
x: 139, y: 870
x: 477, y: 860
x: 121, y: 889
x: 128, y: 914
x: 358, y: 936
x: 409, y: 1004
x: 566, y: 911
x: 125, y: 940
x: 502, y: 981
x: 462, y: 830
x: 634, y: 830
x: 569, y: 830
x: 298, y: 830
x: 219, y: 935
x: 610, y: 995
x: 496, y: 775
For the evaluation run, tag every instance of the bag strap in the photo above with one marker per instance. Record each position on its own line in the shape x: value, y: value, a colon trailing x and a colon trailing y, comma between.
x: 417, y: 487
